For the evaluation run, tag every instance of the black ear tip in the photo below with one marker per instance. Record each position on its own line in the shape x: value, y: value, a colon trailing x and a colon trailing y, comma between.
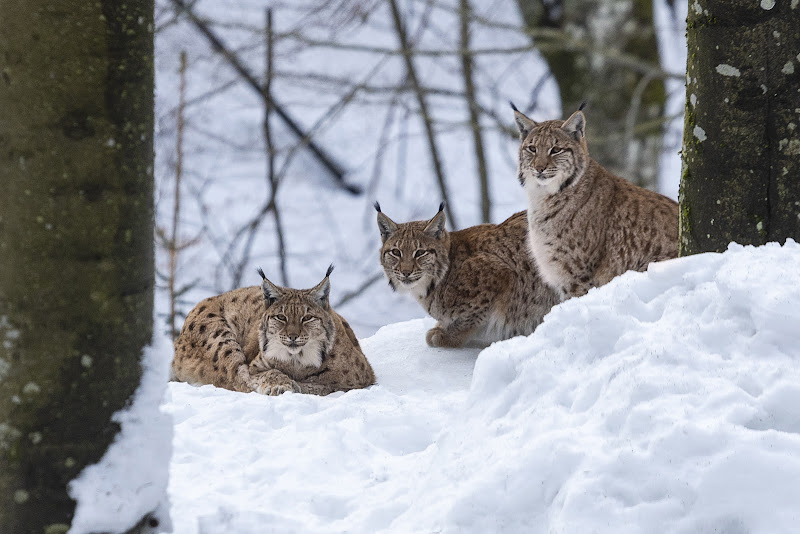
x: 583, y: 105
x: 513, y: 106
x: 377, y: 207
x: 330, y: 270
x: 263, y: 276
x: 441, y: 207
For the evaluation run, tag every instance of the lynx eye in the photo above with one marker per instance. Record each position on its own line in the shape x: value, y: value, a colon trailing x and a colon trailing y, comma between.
x: 396, y: 252
x: 556, y: 150
x: 531, y: 149
x: 420, y: 253
x: 308, y: 318
x: 280, y: 317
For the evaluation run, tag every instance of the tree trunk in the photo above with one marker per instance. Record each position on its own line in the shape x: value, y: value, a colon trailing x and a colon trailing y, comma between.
x: 741, y: 147
x: 76, y: 241
x: 611, y: 90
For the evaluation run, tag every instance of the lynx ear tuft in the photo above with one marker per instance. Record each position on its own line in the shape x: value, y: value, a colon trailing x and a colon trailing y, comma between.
x: 441, y: 206
x: 583, y: 105
x: 261, y: 272
x: 377, y: 206
x: 329, y: 271
x: 575, y: 125
x: 512, y: 105
x: 524, y: 124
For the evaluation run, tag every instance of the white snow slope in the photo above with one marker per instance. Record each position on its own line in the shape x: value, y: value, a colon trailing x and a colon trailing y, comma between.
x: 666, y: 401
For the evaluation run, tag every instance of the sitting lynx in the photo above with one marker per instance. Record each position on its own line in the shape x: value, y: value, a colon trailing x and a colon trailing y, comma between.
x: 586, y: 225
x: 479, y: 283
x: 271, y: 340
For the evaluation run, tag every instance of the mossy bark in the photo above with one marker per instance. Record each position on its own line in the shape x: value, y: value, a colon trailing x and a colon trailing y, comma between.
x: 608, y: 88
x: 741, y: 144
x: 76, y: 241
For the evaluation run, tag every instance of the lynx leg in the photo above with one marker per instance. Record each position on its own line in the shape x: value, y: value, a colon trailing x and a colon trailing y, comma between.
x: 452, y: 336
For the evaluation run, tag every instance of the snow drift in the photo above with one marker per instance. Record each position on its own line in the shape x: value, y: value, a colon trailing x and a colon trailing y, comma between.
x: 665, y: 401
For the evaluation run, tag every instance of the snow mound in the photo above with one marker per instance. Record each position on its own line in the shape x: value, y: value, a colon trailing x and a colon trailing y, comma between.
x: 666, y: 401
x: 662, y: 402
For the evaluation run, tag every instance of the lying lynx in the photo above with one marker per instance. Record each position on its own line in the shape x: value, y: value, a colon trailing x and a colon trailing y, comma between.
x: 479, y: 283
x: 271, y: 340
x: 586, y: 225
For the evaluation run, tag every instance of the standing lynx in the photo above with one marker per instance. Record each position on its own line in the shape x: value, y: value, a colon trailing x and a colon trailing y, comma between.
x: 271, y: 340
x: 586, y: 225
x: 479, y: 283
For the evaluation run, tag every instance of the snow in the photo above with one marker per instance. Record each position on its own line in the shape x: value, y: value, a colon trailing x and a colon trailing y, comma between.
x: 728, y: 70
x: 699, y: 133
x: 665, y: 401
x: 130, y: 480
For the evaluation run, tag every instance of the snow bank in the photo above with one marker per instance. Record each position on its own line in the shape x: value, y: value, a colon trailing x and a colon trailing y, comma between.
x: 665, y: 401
x: 130, y: 480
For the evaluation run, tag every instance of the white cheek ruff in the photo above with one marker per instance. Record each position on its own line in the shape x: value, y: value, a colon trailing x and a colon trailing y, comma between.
x: 309, y: 355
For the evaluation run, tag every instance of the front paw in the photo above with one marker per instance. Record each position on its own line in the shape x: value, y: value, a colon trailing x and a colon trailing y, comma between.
x: 435, y: 337
x: 273, y: 389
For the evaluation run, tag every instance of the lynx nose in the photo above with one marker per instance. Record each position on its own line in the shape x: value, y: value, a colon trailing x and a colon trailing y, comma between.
x: 540, y: 167
x: 292, y: 337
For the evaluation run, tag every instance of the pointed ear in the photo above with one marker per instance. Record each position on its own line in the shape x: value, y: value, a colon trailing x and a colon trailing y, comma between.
x: 270, y: 290
x: 524, y: 124
x: 385, y: 224
x: 322, y: 291
x: 575, y: 125
x: 435, y: 227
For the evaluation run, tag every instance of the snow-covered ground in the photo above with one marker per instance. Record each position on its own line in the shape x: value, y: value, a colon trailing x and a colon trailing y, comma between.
x: 666, y: 401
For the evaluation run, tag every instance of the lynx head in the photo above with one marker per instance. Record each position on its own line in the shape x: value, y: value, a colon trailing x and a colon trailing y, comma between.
x: 297, y: 326
x: 414, y: 255
x: 552, y: 154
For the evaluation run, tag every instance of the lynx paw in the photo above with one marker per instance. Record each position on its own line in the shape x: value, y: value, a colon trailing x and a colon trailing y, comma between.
x: 273, y: 389
x: 435, y: 337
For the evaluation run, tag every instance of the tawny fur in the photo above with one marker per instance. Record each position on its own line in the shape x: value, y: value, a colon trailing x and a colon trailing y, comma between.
x: 586, y: 225
x: 479, y: 283
x: 270, y: 340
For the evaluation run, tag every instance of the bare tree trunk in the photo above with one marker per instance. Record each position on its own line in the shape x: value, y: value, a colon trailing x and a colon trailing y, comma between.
x: 76, y: 241
x: 474, y: 114
x: 741, y: 144
x: 610, y: 90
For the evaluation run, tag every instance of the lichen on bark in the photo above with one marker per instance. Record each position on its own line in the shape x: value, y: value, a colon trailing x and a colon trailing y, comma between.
x: 739, y: 179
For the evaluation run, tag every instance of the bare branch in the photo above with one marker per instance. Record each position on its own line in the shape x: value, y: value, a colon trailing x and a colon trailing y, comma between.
x: 471, y: 99
x: 423, y: 106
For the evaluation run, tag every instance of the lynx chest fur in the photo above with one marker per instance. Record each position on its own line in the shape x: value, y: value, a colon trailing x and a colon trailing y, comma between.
x: 586, y: 225
x: 479, y: 283
x: 270, y: 340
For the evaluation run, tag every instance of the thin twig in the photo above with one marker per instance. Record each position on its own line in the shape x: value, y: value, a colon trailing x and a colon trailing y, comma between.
x: 347, y: 297
x: 328, y: 162
x: 423, y: 106
x: 474, y: 116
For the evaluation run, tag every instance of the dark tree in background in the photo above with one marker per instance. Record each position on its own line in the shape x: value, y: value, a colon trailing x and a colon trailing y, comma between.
x: 741, y: 143
x: 76, y: 241
x: 626, y: 98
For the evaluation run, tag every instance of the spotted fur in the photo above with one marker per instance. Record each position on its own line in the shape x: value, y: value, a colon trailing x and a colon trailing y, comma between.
x: 586, y: 225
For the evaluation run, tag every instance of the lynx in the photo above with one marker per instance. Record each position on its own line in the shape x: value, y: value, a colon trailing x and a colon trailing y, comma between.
x: 586, y: 225
x: 271, y: 340
x: 478, y: 283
